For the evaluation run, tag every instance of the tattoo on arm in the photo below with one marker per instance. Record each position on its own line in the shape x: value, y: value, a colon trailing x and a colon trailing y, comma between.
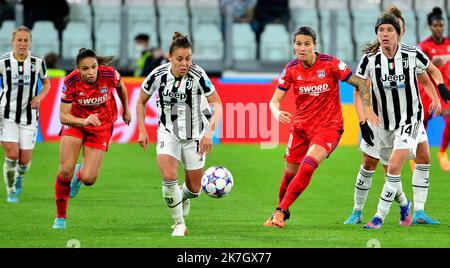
x: 364, y: 91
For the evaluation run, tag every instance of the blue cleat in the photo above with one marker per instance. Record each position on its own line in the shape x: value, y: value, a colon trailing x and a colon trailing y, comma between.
x: 75, y: 184
x: 12, y: 198
x: 19, y: 181
x: 60, y: 223
x: 420, y: 217
x: 405, y: 215
x: 375, y: 223
x: 355, y: 217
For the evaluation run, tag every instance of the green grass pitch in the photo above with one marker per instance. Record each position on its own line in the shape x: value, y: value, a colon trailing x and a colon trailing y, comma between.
x: 125, y: 207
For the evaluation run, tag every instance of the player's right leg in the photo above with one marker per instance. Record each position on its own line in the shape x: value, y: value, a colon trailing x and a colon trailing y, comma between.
x: 362, y: 186
x: 69, y: 150
x: 9, y: 136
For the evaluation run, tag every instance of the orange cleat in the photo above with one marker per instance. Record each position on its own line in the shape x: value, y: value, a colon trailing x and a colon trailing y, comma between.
x: 277, y: 219
x: 443, y: 160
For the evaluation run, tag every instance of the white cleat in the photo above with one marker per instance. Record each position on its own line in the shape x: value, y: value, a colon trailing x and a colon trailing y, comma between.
x: 186, y: 207
x: 179, y: 230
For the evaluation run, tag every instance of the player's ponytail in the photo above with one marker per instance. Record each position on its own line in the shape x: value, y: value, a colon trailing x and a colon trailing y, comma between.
x: 436, y: 14
x: 89, y: 53
x: 179, y: 41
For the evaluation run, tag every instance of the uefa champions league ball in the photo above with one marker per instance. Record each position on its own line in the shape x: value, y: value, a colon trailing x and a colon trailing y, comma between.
x: 217, y: 182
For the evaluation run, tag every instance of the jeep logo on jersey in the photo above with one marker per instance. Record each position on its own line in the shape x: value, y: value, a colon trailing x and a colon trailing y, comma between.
x: 103, y: 90
x: 393, y: 78
x: 93, y: 101
x: 313, y: 90
x: 175, y: 95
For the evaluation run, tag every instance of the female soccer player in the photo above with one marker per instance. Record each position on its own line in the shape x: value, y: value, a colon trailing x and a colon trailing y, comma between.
x: 185, y: 125
x: 318, y: 123
x: 88, y: 111
x: 20, y: 70
x: 393, y: 69
x: 437, y: 48
x: 371, y: 156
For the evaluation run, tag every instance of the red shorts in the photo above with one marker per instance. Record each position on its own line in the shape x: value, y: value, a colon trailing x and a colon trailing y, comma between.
x: 300, y: 141
x: 98, y: 140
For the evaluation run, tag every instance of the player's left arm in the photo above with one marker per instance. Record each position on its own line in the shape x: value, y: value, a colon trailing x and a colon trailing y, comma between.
x: 36, y: 101
x: 429, y: 89
x: 434, y: 73
x: 123, y: 96
x: 205, y: 145
x: 364, y: 91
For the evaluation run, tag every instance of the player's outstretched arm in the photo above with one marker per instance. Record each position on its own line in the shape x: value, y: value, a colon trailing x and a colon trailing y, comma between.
x: 364, y: 91
x: 431, y: 92
x: 205, y: 145
x: 123, y: 96
x: 140, y: 112
x: 282, y: 116
x: 68, y: 119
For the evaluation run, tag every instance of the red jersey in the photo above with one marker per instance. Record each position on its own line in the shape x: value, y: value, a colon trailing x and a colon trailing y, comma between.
x: 89, y: 99
x: 316, y: 91
x: 433, y: 51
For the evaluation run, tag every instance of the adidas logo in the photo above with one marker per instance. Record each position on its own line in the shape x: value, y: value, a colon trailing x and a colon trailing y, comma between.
x: 163, y: 84
x: 329, y: 145
x: 8, y: 69
x: 405, y: 141
x: 377, y: 66
x: 299, y: 77
x: 81, y: 94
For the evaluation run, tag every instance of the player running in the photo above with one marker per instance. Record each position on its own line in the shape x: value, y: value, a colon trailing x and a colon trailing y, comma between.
x: 20, y: 70
x: 185, y: 125
x: 318, y: 122
x: 88, y: 111
x: 437, y: 48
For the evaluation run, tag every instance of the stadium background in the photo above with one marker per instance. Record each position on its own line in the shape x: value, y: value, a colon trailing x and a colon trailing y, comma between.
x: 242, y: 76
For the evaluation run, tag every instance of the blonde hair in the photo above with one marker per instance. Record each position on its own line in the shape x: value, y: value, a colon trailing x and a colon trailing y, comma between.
x: 21, y: 29
x: 392, y: 12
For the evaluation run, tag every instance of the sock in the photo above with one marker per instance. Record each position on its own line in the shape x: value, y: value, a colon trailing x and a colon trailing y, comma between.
x: 9, y: 175
x: 22, y: 169
x: 78, y: 175
x: 62, y: 193
x: 187, y: 194
x: 420, y: 183
x: 391, y: 187
x: 362, y: 187
x: 299, y: 182
x: 173, y: 196
x: 285, y: 181
x: 445, y: 136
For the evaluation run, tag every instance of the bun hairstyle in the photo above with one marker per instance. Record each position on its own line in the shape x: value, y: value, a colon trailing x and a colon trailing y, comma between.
x: 436, y: 14
x: 179, y: 41
x: 89, y: 53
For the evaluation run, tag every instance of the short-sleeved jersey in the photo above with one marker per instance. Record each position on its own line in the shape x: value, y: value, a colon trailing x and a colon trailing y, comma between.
x: 89, y: 99
x: 433, y: 51
x: 182, y: 105
x: 395, y: 94
x: 316, y: 91
x: 19, y: 86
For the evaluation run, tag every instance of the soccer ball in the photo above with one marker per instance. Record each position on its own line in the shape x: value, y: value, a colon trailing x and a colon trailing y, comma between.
x: 217, y: 182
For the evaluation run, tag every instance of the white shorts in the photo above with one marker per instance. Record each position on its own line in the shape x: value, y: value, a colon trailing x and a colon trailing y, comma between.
x: 372, y: 151
x: 24, y: 135
x: 183, y: 151
x: 405, y: 137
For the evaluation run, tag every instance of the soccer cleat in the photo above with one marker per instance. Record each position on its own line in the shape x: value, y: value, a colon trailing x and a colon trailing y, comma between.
x: 12, y: 198
x: 420, y: 217
x: 355, y: 217
x: 60, y: 223
x: 443, y: 160
x: 405, y: 215
x: 277, y: 219
x: 186, y: 207
x: 75, y: 184
x: 19, y: 181
x: 179, y: 229
x: 375, y: 223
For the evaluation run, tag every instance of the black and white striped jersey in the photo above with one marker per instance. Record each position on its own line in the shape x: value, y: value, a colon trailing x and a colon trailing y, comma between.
x: 183, y: 109
x: 395, y: 94
x: 19, y: 86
